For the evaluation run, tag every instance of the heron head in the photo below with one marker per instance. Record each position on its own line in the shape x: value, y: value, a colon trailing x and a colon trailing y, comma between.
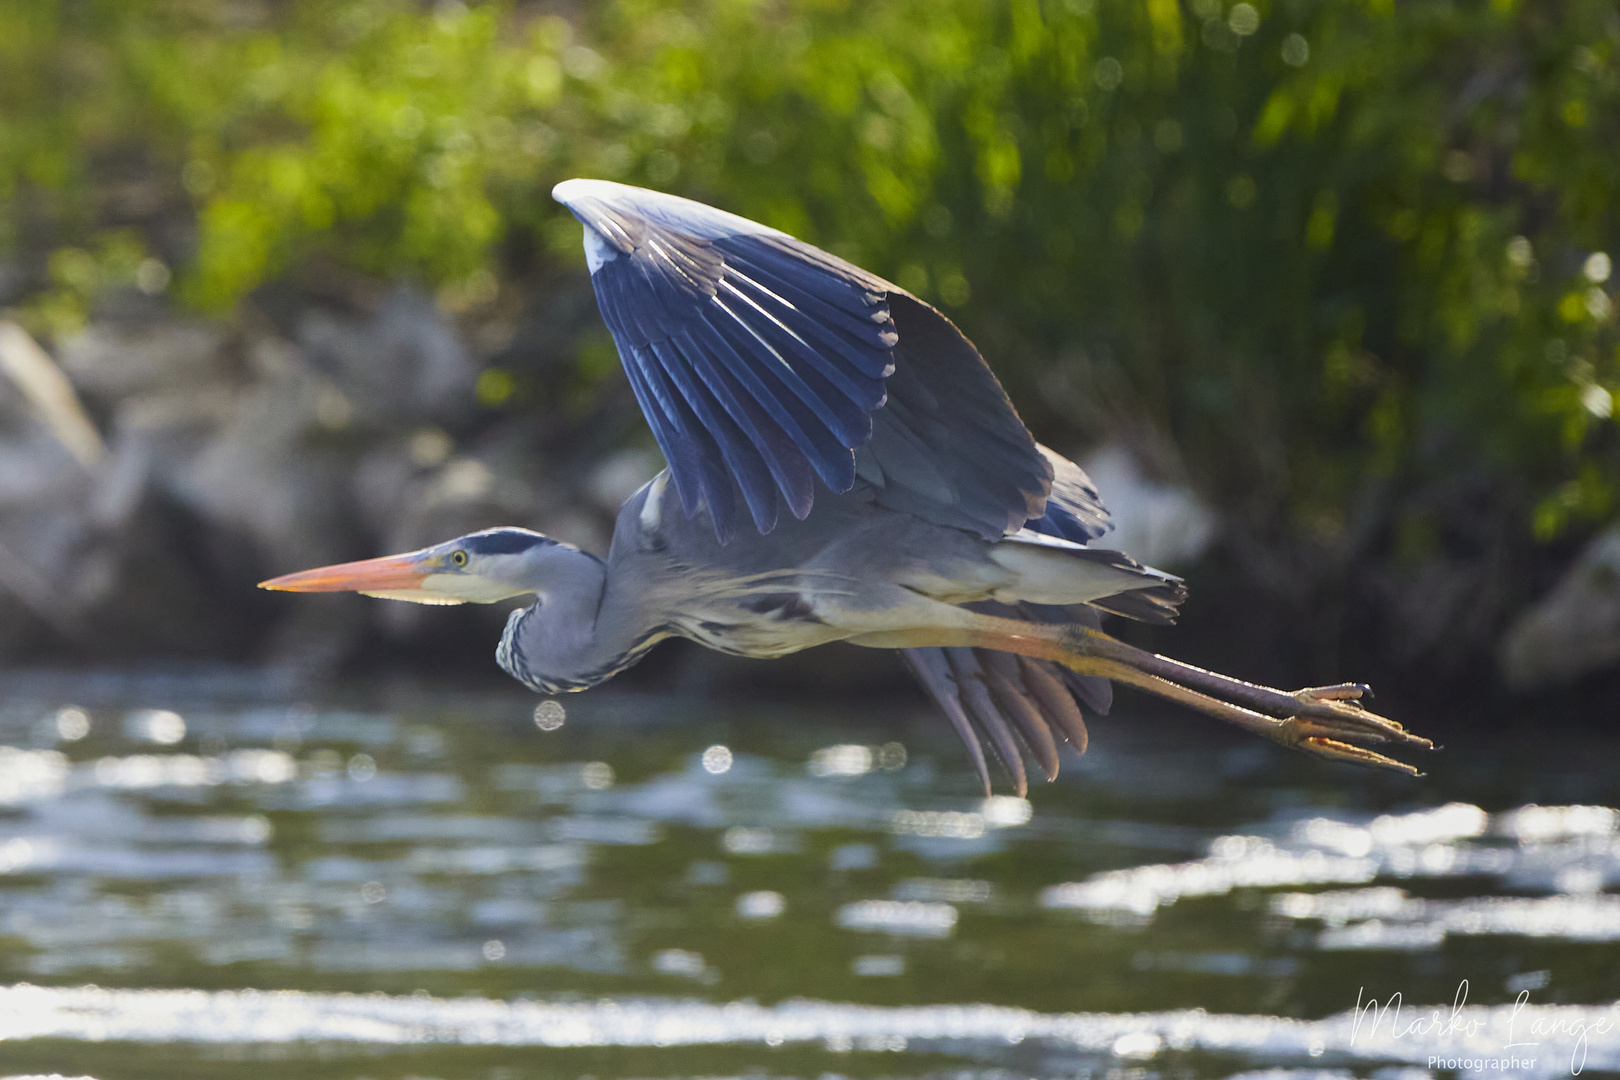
x: 479, y: 568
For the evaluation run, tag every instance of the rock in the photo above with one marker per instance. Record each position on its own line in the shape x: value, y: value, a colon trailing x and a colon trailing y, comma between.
x: 404, y: 362
x: 113, y: 362
x: 94, y: 543
x: 49, y: 454
x: 50, y: 393
x: 237, y: 451
x: 620, y: 475
x: 1574, y: 630
x: 258, y: 474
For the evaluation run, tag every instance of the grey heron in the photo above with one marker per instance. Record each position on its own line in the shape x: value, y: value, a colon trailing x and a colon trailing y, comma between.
x: 921, y: 515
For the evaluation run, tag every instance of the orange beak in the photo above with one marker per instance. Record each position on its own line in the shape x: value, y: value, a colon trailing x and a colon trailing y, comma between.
x: 391, y: 573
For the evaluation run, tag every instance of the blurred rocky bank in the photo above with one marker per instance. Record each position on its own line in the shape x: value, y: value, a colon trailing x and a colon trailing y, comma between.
x: 153, y: 467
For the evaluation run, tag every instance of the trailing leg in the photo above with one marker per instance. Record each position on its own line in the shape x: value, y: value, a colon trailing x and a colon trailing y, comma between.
x: 1322, y: 720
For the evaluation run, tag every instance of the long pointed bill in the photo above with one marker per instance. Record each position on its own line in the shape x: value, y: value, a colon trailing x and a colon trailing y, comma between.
x: 390, y: 574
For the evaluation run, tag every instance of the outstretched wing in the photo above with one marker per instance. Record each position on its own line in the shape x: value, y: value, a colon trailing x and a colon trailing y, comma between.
x: 764, y: 364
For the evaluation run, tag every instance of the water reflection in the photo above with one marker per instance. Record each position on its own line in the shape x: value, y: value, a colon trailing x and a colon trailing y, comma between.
x: 1572, y: 850
x: 649, y: 867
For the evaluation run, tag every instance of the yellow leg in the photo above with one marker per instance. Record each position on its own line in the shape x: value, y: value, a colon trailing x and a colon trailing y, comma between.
x: 1320, y: 720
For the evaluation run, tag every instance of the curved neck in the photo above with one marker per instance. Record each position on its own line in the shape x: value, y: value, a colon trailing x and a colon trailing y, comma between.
x: 562, y: 642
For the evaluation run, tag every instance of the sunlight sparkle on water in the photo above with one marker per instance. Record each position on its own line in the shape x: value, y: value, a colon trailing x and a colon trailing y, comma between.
x: 162, y: 726
x: 843, y: 760
x: 717, y: 760
x: 222, y: 1017
x: 761, y: 904
x: 72, y: 723
x: 906, y: 918
x: 549, y: 715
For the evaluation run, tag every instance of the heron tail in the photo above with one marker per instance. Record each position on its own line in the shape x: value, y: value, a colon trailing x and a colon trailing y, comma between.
x: 1016, y: 704
x: 1048, y: 570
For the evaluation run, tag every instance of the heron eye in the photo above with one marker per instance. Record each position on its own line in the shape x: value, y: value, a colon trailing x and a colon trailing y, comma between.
x: 459, y: 558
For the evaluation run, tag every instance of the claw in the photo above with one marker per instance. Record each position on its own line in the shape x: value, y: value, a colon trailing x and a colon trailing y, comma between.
x: 1338, y: 751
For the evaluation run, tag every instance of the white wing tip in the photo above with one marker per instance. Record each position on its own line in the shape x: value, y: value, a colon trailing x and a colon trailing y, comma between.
x: 569, y: 192
x: 684, y: 215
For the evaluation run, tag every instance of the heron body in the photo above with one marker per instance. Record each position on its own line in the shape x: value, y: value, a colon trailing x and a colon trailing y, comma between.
x: 853, y: 568
x: 843, y: 466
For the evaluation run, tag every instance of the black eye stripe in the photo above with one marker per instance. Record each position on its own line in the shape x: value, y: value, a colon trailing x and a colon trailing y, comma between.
x: 503, y: 541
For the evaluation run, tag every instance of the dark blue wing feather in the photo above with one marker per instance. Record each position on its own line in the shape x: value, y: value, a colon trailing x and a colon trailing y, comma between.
x: 763, y: 364
x: 699, y: 455
x: 1073, y: 510
x: 840, y: 317
x: 777, y: 380
x: 689, y: 479
x: 741, y: 458
x: 760, y: 419
x: 802, y: 402
x: 768, y: 343
x: 949, y: 447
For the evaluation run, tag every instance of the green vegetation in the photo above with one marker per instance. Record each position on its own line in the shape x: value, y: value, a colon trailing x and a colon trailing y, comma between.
x: 1345, y: 257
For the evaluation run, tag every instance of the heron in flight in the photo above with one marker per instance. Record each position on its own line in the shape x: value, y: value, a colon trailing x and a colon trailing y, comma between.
x: 842, y: 466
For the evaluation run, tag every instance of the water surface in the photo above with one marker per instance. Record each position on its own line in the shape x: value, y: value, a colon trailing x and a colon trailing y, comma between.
x: 201, y: 871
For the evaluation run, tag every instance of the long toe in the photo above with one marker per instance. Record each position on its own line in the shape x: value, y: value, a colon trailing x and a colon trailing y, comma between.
x: 1356, y: 755
x: 1336, y: 712
x: 1350, y: 691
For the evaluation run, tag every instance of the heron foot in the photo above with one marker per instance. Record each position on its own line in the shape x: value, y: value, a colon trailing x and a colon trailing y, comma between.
x: 1331, y: 719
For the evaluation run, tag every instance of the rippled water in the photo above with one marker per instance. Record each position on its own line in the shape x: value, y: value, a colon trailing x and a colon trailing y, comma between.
x: 406, y: 884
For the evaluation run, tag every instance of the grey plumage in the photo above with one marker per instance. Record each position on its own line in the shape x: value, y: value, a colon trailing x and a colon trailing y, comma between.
x: 921, y: 515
